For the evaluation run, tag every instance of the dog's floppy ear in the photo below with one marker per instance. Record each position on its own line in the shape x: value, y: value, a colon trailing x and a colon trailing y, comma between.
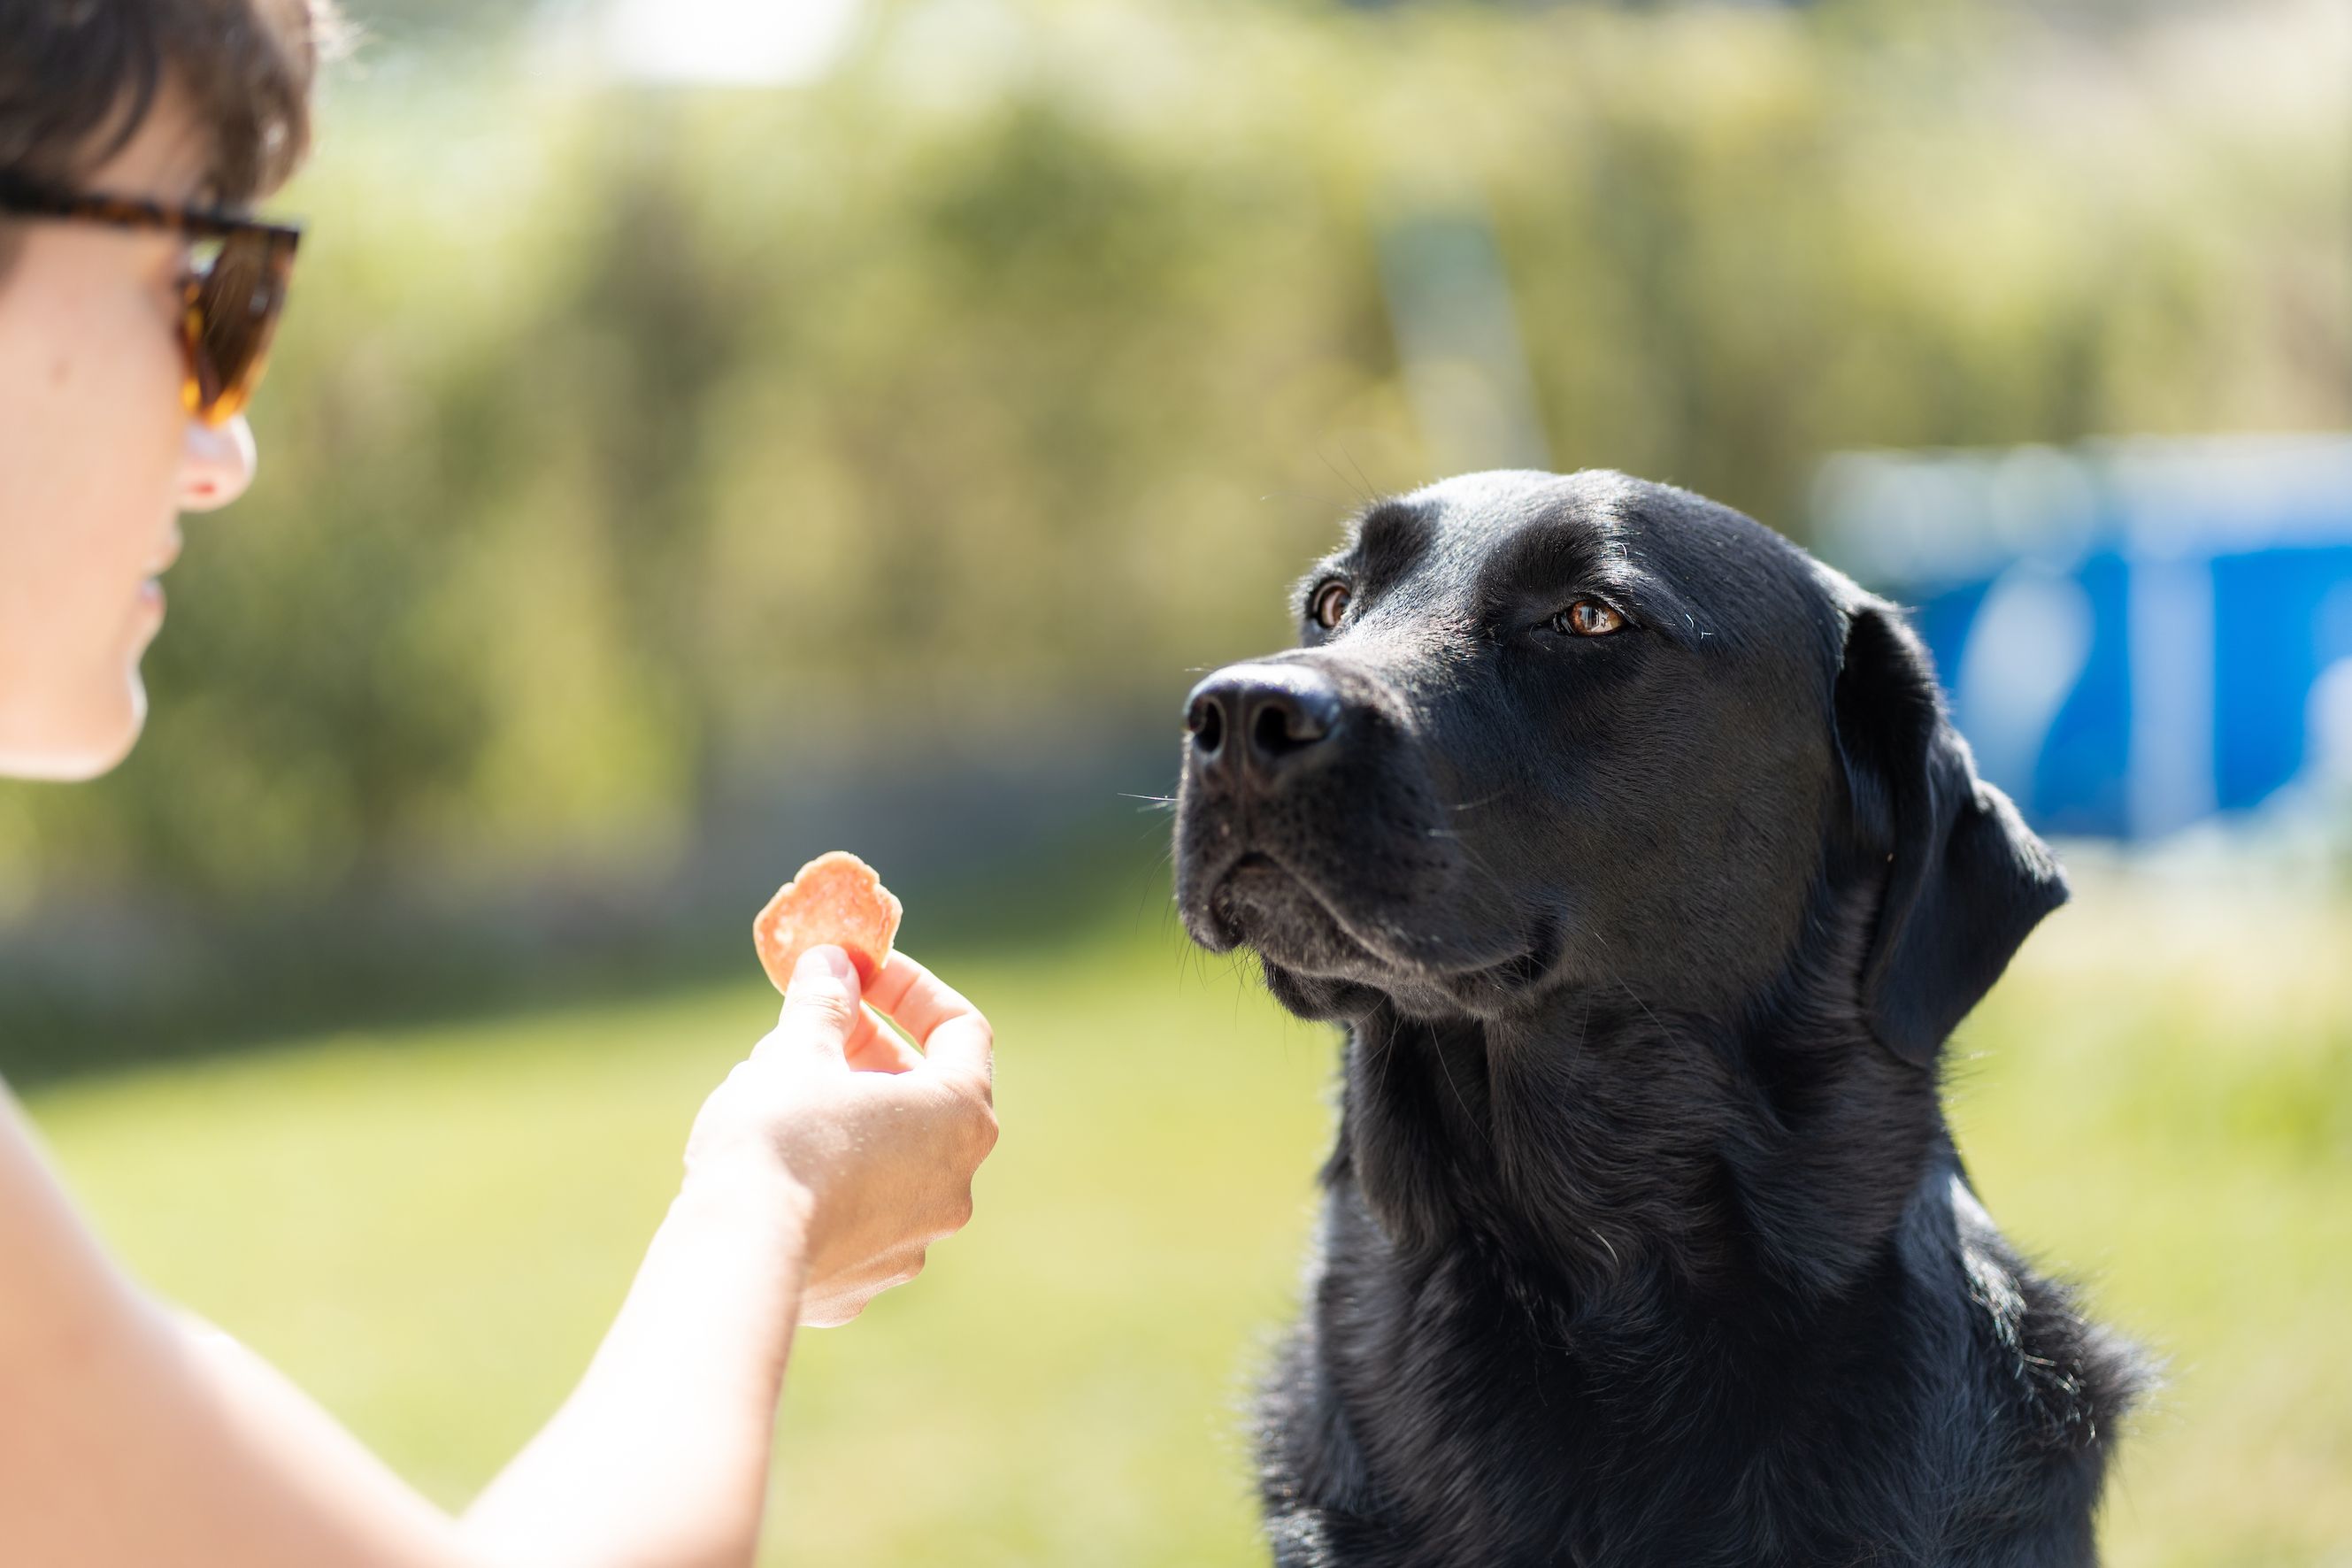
x: 1966, y: 879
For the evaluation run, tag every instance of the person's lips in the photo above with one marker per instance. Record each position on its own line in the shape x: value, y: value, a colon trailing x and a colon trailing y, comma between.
x: 151, y: 590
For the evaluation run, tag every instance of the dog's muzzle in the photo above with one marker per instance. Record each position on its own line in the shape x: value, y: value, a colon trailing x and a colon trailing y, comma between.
x: 1256, y: 727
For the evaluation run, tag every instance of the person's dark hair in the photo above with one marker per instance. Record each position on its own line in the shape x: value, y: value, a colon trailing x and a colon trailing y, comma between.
x: 78, y: 78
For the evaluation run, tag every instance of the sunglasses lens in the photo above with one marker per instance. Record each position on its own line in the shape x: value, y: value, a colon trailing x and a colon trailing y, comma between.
x: 238, y: 287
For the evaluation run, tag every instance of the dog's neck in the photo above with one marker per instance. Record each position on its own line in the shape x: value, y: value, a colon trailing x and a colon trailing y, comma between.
x: 1602, y: 1143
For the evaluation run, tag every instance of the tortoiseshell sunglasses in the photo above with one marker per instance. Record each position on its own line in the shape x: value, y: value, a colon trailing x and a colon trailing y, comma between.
x: 231, y: 295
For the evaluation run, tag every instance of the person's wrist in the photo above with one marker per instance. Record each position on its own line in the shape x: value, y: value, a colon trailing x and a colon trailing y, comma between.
x: 758, y: 1200
x: 737, y: 1234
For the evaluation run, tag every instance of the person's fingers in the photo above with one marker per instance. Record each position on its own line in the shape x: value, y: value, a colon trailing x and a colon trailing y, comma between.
x: 860, y: 1038
x: 885, y: 1272
x: 821, y: 1009
x: 963, y: 1048
x: 954, y: 1212
x: 913, y: 995
x: 939, y: 1017
x: 840, y: 1299
x: 875, y: 1046
x: 825, y: 1312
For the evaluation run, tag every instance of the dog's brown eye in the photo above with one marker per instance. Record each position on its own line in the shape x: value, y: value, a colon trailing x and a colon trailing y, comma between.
x: 1587, y: 618
x: 1331, y: 604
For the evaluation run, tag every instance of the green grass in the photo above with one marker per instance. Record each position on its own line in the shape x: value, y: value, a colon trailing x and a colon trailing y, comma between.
x: 429, y: 1228
x: 2158, y: 1100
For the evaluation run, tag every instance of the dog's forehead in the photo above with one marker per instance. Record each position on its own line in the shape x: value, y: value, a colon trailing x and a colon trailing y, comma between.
x: 1671, y: 531
x: 1736, y: 577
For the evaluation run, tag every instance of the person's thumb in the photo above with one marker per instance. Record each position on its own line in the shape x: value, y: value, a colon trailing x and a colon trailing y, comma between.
x: 821, y: 1003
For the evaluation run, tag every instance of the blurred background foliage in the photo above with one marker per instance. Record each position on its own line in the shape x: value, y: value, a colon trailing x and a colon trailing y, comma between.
x: 628, y: 445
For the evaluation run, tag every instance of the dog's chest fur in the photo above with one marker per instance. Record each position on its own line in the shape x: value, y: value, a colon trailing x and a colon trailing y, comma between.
x: 1602, y: 1297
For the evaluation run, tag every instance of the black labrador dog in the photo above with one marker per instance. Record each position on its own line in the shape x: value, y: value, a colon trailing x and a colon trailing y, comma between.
x: 1635, y: 850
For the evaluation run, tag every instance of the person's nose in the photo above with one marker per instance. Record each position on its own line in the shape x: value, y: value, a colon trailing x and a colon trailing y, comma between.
x: 215, y: 464
x: 1255, y: 725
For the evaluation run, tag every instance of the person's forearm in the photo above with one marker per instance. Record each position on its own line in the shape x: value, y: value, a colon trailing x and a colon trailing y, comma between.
x: 133, y: 1433
x: 660, y: 1456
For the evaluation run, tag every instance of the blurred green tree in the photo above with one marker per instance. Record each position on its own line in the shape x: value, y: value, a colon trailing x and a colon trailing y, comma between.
x: 628, y: 444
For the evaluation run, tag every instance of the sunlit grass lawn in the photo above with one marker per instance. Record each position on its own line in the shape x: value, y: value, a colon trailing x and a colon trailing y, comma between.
x: 429, y: 1228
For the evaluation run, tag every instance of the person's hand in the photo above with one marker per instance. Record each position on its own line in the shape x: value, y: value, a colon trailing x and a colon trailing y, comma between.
x: 875, y: 1142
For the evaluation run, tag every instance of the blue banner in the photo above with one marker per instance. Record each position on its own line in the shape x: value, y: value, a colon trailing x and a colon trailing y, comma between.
x: 2134, y: 635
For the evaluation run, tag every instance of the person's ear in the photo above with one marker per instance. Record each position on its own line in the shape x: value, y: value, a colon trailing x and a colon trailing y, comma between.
x: 216, y: 464
x: 1966, y: 879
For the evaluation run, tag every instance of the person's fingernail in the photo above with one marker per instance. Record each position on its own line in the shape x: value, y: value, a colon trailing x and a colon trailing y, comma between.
x: 820, y: 966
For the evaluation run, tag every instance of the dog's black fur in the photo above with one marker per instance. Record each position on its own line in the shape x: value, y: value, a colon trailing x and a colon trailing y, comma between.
x: 1645, y: 1241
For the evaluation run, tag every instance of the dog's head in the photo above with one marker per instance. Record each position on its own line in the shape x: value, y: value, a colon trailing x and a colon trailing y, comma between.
x: 1546, y: 732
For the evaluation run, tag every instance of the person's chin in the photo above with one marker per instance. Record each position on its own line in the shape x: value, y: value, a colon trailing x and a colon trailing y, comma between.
x: 84, y: 744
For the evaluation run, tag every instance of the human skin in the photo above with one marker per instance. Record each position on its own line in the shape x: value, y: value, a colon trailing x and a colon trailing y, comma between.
x: 97, y: 462
x: 816, y: 1176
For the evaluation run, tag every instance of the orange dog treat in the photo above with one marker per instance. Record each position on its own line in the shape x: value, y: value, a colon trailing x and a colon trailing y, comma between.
x: 836, y: 900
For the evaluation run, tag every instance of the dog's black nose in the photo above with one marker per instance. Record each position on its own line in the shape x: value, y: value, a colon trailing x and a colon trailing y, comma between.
x: 1255, y: 723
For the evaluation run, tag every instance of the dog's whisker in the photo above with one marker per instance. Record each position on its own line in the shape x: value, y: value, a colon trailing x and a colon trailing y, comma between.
x: 1634, y: 995
x: 1437, y: 1049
